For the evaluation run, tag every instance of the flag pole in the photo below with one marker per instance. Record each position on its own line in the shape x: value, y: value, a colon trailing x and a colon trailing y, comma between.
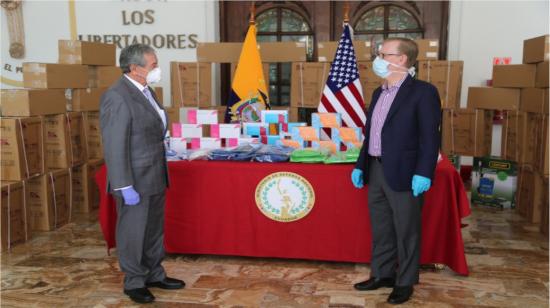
x: 252, y: 13
x: 346, y: 12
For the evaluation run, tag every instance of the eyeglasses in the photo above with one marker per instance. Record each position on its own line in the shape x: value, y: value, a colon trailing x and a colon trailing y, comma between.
x: 383, y: 55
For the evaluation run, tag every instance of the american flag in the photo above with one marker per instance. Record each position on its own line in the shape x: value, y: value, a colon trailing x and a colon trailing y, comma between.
x: 343, y: 92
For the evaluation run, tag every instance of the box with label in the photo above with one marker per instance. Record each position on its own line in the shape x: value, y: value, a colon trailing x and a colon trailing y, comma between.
x: 493, y: 98
x: 514, y: 76
x: 494, y: 182
x: 225, y: 131
x: 328, y: 120
x: 541, y: 80
x: 22, y: 148
x: 534, y: 100
x: 255, y: 129
x: 529, y: 195
x: 15, y: 227
x: 81, y: 52
x: 351, y: 137
x: 49, y: 200
x: 180, y: 130
x: 446, y: 76
x: 92, y: 131
x: 305, y: 134
x: 521, y: 135
x: 202, y: 116
x: 79, y: 177
x: 64, y: 140
x: 191, y: 84
x: 269, y: 52
x: 84, y: 99
x: 427, y: 49
x: 327, y: 50
x: 206, y: 143
x: 274, y: 116
x: 536, y: 49
x: 26, y: 103
x: 368, y: 78
x: 103, y: 76
x: 55, y: 76
x: 307, y: 82
x: 467, y: 132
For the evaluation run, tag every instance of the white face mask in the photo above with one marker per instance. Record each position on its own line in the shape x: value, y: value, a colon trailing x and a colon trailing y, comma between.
x: 153, y: 76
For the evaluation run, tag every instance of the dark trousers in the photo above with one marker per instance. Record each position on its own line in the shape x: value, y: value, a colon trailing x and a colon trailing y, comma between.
x: 395, y: 221
x: 140, y: 240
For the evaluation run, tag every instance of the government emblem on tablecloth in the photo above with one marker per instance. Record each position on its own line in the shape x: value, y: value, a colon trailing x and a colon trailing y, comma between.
x: 285, y: 196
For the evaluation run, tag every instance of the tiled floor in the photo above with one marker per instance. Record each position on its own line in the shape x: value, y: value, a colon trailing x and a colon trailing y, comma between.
x: 508, y: 260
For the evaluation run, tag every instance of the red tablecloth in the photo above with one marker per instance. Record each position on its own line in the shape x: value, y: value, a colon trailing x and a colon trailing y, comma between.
x: 211, y: 209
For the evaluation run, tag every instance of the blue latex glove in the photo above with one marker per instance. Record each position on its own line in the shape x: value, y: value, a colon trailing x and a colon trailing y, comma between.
x: 357, y: 178
x: 130, y: 195
x: 420, y: 185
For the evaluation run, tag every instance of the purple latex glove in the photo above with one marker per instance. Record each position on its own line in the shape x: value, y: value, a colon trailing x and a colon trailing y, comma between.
x: 130, y: 195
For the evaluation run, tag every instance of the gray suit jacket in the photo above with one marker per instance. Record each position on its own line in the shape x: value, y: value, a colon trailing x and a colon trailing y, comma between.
x: 133, y: 140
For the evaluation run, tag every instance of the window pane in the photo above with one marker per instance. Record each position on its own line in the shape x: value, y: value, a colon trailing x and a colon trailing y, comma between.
x: 400, y: 19
x: 266, y: 38
x: 267, y: 21
x: 307, y: 39
x: 293, y: 22
x: 373, y: 19
x: 374, y: 39
x: 272, y: 73
x: 273, y: 94
x: 285, y: 73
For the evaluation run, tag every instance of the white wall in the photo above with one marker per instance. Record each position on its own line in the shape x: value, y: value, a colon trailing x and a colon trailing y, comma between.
x: 45, y: 22
x: 481, y: 30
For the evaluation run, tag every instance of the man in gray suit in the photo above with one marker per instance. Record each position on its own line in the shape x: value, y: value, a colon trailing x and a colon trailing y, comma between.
x: 133, y: 126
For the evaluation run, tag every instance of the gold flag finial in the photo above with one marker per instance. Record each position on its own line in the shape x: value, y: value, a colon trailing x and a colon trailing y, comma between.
x: 346, y: 12
x: 252, y: 13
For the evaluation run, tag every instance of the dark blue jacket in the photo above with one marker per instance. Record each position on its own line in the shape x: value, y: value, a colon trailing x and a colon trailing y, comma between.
x: 410, y: 135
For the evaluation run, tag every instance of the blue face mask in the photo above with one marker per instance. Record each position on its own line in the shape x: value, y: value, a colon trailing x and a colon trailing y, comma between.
x: 380, y: 68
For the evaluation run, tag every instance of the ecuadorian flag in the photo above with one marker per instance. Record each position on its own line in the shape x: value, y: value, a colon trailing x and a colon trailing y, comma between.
x: 249, y: 94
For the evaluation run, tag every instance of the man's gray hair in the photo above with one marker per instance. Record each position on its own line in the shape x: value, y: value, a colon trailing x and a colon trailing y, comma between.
x: 133, y: 54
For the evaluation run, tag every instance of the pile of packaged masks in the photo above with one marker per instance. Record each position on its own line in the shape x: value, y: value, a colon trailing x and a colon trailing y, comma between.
x: 309, y: 155
x: 347, y: 157
x: 253, y: 152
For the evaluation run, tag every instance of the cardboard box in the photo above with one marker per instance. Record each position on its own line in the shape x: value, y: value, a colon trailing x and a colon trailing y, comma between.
x: 103, y: 76
x: 159, y: 93
x: 530, y: 194
x: 446, y: 76
x: 173, y: 114
x: 493, y: 98
x: 26, y: 103
x: 542, y: 75
x: 269, y: 52
x: 22, y: 148
x: 55, y: 76
x: 541, y: 149
x: 92, y: 132
x: 536, y: 49
x: 514, y: 76
x: 94, y: 166
x: 49, y: 200
x: 467, y: 132
x: 521, y: 136
x: 191, y: 84
x: 427, y: 49
x: 494, y: 182
x: 369, y: 80
x: 534, y: 100
x: 15, y: 227
x: 65, y: 140
x: 90, y: 53
x: 84, y: 99
x: 327, y: 50
x: 544, y: 215
x: 307, y: 83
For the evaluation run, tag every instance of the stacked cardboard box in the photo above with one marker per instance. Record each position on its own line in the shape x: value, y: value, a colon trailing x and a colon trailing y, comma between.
x: 467, y: 132
x: 446, y: 76
x: 531, y: 125
x: 14, y: 215
x: 85, y: 190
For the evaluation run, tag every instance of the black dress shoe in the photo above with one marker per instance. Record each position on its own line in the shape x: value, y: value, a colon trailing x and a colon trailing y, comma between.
x: 374, y: 283
x: 400, y: 295
x: 140, y: 295
x: 168, y: 283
